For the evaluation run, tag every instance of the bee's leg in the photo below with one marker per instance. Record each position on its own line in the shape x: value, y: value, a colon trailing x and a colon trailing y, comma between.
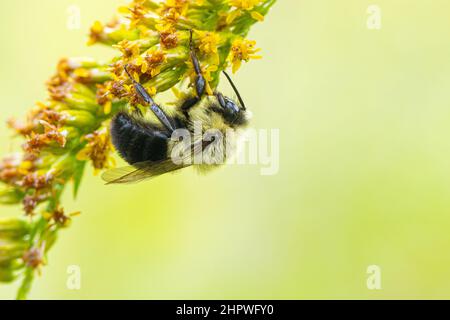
x: 200, y: 82
x: 163, y: 118
x: 189, y: 103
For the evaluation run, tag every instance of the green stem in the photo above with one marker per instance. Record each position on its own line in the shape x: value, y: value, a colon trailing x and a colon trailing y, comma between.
x: 25, y: 287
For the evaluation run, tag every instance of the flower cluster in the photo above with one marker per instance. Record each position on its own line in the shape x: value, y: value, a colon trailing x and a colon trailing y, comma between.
x: 71, y: 128
x: 60, y: 136
x: 153, y: 39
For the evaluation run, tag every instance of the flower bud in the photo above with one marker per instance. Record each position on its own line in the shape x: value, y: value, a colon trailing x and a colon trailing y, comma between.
x: 13, y: 228
x: 7, y: 275
x: 81, y: 119
x: 80, y: 102
x: 10, y: 195
x: 10, y: 250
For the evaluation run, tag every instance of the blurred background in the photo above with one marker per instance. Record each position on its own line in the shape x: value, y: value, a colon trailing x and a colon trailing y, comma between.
x: 364, y: 164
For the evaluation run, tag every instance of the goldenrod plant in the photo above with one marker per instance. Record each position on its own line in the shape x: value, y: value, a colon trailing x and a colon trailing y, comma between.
x: 71, y: 128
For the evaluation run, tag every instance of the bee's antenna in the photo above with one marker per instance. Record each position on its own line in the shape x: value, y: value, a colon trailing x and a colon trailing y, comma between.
x: 236, y: 91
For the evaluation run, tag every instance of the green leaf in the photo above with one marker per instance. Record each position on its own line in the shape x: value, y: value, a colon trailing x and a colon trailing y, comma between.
x: 77, y: 177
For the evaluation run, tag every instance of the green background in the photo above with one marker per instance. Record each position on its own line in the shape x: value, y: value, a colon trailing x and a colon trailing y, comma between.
x: 364, y: 164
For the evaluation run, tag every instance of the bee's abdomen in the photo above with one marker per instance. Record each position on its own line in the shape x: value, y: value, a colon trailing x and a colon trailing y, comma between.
x: 136, y: 142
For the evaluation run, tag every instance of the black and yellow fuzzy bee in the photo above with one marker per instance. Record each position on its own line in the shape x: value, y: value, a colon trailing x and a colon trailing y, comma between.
x: 148, y: 145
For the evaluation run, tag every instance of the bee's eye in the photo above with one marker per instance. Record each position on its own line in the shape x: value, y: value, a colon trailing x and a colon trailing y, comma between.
x: 232, y: 107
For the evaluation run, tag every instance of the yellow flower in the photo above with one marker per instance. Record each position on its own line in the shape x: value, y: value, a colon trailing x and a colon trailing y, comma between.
x: 168, y: 38
x: 82, y: 74
x: 96, y: 33
x: 104, y: 98
x: 59, y: 217
x: 128, y: 49
x: 98, y: 149
x: 152, y: 62
x: 151, y: 90
x: 242, y: 50
x: 52, y: 133
x: 168, y: 33
x: 209, y: 41
x: 207, y: 72
x: 180, y: 6
x: 137, y: 11
x: 244, y: 5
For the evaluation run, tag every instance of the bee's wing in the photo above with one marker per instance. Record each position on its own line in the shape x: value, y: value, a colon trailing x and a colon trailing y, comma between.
x: 149, y: 169
x: 140, y: 171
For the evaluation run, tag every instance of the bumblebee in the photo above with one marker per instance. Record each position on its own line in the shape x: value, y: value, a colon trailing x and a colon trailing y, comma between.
x: 148, y: 145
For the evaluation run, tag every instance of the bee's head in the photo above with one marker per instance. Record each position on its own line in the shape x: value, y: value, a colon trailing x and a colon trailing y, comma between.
x: 234, y: 114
